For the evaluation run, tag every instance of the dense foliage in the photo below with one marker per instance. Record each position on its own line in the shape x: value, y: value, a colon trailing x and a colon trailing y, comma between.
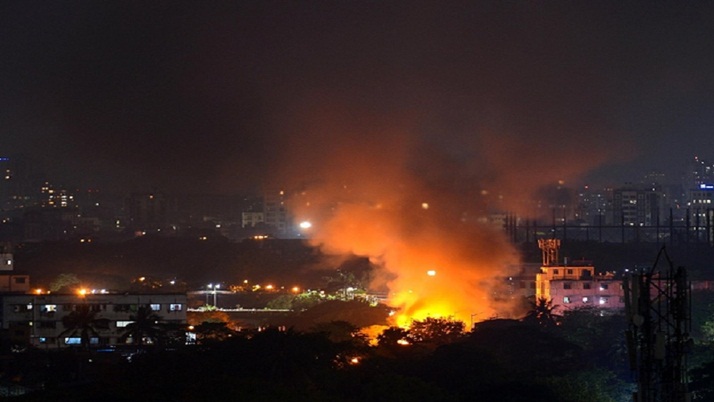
x: 435, y: 360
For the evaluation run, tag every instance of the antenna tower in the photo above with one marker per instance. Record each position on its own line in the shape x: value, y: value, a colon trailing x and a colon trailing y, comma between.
x: 658, y: 307
x: 549, y: 249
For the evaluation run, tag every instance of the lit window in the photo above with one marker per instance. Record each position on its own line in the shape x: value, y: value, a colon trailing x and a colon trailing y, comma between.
x: 155, y: 307
x: 566, y: 300
x: 603, y: 300
x: 49, y: 308
x: 75, y: 340
x: 603, y: 286
x: 586, y: 299
x: 175, y: 307
x: 122, y: 324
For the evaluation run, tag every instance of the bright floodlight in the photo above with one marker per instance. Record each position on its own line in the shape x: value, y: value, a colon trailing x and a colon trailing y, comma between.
x: 305, y: 225
x: 431, y: 272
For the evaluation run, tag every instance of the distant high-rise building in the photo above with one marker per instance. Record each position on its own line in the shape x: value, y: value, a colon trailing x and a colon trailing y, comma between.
x: 701, y: 210
x: 593, y: 205
x: 275, y: 211
x: 57, y: 198
x: 252, y: 219
x: 147, y: 211
x: 636, y: 207
x: 18, y: 188
x: 699, y: 172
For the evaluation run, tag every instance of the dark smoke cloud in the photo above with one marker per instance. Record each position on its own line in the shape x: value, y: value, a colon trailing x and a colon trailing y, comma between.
x: 145, y: 93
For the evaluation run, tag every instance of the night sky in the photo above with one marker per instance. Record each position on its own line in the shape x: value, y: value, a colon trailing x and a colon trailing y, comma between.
x: 231, y: 96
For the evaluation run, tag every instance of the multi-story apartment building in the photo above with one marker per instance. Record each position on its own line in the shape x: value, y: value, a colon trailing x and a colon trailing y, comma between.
x: 275, y: 212
x: 701, y: 211
x: 11, y: 281
x: 575, y: 285
x: 636, y: 207
x: 252, y: 219
x: 699, y: 172
x: 147, y: 212
x: 39, y: 319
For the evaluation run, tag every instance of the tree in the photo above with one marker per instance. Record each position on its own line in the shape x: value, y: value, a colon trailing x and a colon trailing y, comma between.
x: 212, y: 331
x: 307, y: 300
x: 63, y: 281
x: 542, y: 313
x: 356, y: 312
x: 393, y: 336
x: 145, y: 325
x: 83, y: 321
x: 341, y: 332
x: 438, y: 331
x: 282, y: 302
x: 702, y: 384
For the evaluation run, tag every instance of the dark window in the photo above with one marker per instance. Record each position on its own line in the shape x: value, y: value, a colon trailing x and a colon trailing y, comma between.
x: 20, y: 279
x: 586, y: 285
x: 567, y: 285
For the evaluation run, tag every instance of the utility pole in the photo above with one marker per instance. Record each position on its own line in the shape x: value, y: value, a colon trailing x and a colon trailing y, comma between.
x: 658, y: 307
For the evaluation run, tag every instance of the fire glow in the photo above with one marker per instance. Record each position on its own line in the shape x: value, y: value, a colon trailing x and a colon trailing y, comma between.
x: 407, y: 243
x: 377, y: 185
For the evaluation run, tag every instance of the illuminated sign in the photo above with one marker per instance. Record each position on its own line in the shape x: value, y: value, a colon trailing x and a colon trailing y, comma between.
x: 706, y: 186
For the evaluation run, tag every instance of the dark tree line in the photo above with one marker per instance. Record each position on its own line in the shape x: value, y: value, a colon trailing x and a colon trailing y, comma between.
x: 579, y: 356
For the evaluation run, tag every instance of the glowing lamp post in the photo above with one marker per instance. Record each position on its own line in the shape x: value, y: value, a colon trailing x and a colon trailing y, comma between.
x: 215, y: 291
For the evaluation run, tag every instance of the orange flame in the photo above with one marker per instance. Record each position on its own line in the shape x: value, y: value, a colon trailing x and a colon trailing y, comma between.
x: 431, y: 267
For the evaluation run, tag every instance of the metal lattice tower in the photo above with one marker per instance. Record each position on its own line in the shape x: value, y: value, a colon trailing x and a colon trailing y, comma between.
x: 658, y: 306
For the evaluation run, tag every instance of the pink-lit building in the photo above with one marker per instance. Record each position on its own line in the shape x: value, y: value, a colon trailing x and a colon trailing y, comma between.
x: 575, y: 285
x: 572, y: 286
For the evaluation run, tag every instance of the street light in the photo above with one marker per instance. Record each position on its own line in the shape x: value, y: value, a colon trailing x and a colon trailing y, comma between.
x: 215, y: 290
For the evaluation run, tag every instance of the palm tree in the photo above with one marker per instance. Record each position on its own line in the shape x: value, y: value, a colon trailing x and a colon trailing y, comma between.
x: 145, y: 325
x: 83, y: 321
x: 542, y: 312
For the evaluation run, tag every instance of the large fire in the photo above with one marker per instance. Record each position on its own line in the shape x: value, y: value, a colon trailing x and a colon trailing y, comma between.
x: 418, y: 203
x: 431, y: 265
